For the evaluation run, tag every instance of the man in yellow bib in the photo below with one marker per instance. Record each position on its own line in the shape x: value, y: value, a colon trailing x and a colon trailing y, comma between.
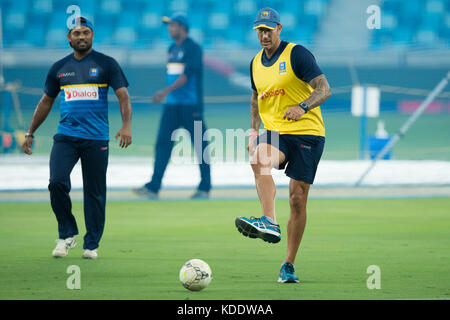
x: 288, y: 88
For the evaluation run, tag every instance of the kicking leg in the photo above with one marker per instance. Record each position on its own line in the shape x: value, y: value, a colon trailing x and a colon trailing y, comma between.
x: 266, y: 156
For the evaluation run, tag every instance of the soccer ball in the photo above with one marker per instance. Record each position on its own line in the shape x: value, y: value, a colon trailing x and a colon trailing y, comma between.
x: 195, y: 275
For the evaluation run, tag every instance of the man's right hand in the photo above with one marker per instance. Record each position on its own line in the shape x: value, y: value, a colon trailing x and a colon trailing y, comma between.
x: 27, y: 145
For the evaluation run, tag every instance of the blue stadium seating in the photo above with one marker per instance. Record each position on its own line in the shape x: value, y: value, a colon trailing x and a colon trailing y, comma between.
x: 413, y: 23
x: 137, y: 23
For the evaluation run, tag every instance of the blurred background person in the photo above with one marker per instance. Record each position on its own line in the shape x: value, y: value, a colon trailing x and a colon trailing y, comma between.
x: 183, y: 106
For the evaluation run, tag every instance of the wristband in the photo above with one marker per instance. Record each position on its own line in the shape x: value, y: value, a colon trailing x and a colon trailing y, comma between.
x: 304, y: 106
x: 28, y: 135
x: 253, y: 133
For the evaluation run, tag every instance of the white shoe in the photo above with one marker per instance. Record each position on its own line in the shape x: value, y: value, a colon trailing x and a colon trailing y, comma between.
x: 90, y: 254
x: 63, y: 246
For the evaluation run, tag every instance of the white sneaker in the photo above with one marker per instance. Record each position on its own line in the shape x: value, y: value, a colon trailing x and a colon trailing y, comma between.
x: 63, y: 246
x: 90, y: 254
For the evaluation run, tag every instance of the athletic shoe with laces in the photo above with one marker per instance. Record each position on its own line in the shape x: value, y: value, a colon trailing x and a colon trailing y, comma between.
x: 63, y: 246
x: 90, y: 254
x: 145, y: 192
x: 200, y: 195
x: 287, y: 274
x: 262, y: 228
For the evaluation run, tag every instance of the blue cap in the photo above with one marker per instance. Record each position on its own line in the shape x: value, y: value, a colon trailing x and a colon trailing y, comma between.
x: 266, y: 18
x: 177, y: 17
x: 81, y: 21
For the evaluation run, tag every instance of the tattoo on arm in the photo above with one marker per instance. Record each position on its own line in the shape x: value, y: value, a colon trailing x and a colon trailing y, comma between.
x: 255, y: 119
x: 321, y: 91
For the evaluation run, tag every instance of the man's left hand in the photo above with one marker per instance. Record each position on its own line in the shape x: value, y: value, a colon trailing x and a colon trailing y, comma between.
x: 125, y: 137
x: 293, y: 113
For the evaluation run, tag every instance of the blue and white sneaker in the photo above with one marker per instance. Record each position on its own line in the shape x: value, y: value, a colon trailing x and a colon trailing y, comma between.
x: 287, y: 274
x: 259, y: 228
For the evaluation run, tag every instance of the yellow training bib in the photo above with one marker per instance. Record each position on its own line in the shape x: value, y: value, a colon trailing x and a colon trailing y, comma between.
x: 278, y: 89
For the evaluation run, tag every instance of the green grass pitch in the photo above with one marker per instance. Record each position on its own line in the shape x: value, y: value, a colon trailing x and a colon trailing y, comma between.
x: 146, y: 243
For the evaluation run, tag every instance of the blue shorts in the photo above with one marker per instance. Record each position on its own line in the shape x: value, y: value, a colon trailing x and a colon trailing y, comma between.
x: 303, y: 153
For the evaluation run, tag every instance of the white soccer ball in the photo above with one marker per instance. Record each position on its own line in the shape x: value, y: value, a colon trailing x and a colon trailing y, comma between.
x: 195, y: 275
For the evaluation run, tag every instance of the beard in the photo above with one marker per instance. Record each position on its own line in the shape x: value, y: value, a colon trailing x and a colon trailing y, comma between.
x: 81, y: 46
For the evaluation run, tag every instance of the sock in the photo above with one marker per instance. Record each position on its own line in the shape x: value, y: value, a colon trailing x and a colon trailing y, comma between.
x: 270, y: 220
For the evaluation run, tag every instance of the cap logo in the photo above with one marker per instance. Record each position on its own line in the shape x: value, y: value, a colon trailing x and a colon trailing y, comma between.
x: 266, y: 14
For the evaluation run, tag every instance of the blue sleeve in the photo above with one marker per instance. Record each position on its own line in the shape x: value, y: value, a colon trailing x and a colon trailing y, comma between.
x: 117, y: 78
x: 251, y: 75
x: 304, y: 64
x: 193, y: 60
x: 52, y: 86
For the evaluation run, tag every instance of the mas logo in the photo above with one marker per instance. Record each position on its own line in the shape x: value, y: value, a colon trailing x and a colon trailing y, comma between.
x: 66, y: 74
x: 81, y: 93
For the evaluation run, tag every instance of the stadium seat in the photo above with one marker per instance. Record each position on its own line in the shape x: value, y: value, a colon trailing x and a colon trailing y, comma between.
x: 393, y: 6
x: 135, y: 5
x: 15, y: 17
x: 245, y: 9
x: 314, y: 7
x: 218, y: 21
x: 426, y: 38
x: 124, y: 36
x: 435, y: 6
x: 295, y: 7
x: 431, y: 21
x: 35, y: 36
x: 56, y: 38
x: 110, y: 7
x: 402, y: 36
x: 41, y: 8
x: 406, y: 23
x: 444, y: 30
x: 129, y: 18
x: 412, y: 9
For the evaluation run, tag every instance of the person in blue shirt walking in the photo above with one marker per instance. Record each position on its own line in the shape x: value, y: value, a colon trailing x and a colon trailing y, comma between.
x: 83, y: 79
x: 183, y: 107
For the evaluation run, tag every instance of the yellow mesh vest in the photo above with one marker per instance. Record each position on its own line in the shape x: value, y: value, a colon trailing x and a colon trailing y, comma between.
x: 279, y: 88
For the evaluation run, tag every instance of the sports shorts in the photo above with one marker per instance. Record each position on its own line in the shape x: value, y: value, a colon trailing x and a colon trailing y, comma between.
x: 302, y: 152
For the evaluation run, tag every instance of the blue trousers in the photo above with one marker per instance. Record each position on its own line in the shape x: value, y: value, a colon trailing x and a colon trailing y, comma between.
x: 65, y: 154
x: 174, y: 117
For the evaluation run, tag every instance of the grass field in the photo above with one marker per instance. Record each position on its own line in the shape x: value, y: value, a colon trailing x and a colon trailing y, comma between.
x: 146, y: 243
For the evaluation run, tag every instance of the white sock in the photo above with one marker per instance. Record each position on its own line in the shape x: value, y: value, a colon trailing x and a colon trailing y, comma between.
x: 270, y: 220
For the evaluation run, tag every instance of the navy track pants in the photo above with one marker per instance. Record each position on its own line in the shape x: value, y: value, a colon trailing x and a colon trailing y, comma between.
x: 174, y: 117
x: 65, y: 154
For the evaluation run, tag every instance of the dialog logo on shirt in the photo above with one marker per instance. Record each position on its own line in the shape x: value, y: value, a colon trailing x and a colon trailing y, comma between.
x: 81, y: 93
x: 273, y: 93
